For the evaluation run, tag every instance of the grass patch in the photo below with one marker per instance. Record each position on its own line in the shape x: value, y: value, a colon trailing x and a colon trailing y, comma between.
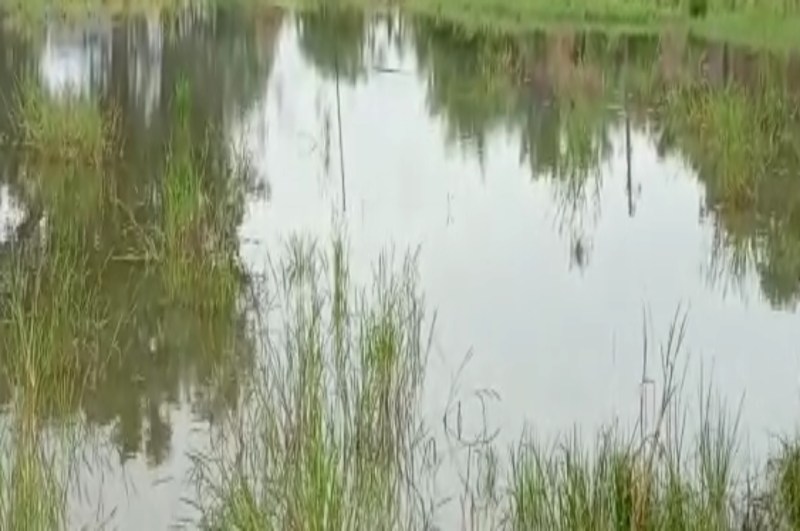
x: 201, y: 189
x: 763, y: 24
x: 331, y: 436
x: 25, y: 13
x: 55, y: 335
x: 32, y: 493
x: 55, y: 343
x: 739, y: 138
x: 70, y: 128
x: 786, y: 485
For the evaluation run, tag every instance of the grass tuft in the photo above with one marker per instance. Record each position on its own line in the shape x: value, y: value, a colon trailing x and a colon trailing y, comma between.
x: 786, y: 484
x: 69, y: 128
x: 331, y: 436
x: 198, y: 251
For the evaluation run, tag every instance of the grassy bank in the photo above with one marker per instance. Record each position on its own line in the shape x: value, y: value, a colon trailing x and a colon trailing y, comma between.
x: 33, y: 10
x: 769, y: 23
x: 762, y: 24
x: 757, y: 25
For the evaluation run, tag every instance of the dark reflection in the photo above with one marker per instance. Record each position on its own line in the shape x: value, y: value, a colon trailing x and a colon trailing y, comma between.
x: 546, y: 88
x: 152, y: 335
x: 731, y: 112
x: 738, y: 124
x: 472, y: 80
x: 336, y: 42
x: 348, y: 45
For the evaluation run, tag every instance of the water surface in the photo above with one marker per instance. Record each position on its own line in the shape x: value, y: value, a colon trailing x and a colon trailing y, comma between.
x: 563, y: 190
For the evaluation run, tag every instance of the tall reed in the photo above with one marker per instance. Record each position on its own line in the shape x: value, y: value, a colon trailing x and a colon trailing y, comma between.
x: 332, y: 435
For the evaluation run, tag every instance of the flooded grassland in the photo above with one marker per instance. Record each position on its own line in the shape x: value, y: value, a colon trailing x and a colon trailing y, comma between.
x: 267, y: 269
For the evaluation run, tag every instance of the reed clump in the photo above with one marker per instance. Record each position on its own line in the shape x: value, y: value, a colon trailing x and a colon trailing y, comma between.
x: 197, y: 248
x: 32, y: 491
x: 332, y: 435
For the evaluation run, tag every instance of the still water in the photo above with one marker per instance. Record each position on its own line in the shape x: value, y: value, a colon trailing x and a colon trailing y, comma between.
x: 564, y: 191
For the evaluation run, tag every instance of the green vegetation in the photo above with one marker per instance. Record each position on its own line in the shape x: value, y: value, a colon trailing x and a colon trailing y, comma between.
x: 330, y: 436
x: 197, y: 254
x: 56, y: 336
x: 651, y: 480
x: 32, y: 491
x: 785, y: 480
x: 88, y: 284
x: 51, y: 339
x: 768, y: 23
x: 54, y: 329
x: 67, y: 129
x: 741, y: 138
x: 738, y: 135
x: 763, y: 23
x: 28, y: 12
x: 121, y: 291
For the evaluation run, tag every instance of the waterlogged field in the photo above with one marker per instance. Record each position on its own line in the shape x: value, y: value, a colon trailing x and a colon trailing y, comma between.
x: 264, y: 269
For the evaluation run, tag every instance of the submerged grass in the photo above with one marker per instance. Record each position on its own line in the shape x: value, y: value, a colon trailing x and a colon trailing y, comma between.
x: 53, y: 328
x: 57, y: 331
x: 67, y: 128
x: 55, y: 342
x: 32, y: 494
x: 198, y: 254
x: 331, y: 436
x: 55, y: 335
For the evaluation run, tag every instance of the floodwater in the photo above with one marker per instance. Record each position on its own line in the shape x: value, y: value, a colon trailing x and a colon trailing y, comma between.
x: 562, y: 194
